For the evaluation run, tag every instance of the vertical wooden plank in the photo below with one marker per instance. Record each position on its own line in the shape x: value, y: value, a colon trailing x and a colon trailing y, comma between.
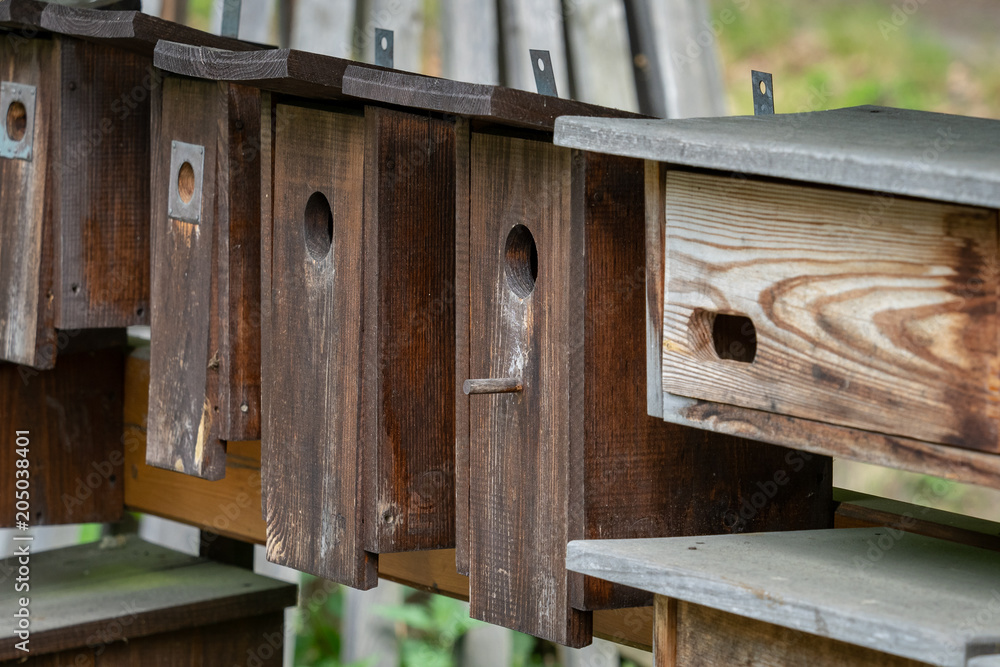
x: 598, y: 47
x: 532, y: 24
x: 28, y: 211
x: 267, y: 375
x: 174, y: 10
x: 469, y: 41
x: 327, y: 27
x: 408, y: 413
x: 102, y: 247
x: 183, y: 405
x: 689, y: 67
x: 73, y: 414
x: 665, y: 632
x: 463, y: 282
x: 239, y: 267
x: 312, y: 479
x: 521, y: 511
x: 655, y: 258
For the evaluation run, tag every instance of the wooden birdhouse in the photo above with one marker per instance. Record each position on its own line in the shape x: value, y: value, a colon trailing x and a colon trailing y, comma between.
x: 357, y: 315
x: 554, y: 443
x: 825, y: 280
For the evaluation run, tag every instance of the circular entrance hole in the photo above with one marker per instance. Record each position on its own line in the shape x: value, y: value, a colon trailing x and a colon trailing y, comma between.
x: 522, y: 261
x: 185, y: 182
x: 318, y: 226
x: 17, y: 121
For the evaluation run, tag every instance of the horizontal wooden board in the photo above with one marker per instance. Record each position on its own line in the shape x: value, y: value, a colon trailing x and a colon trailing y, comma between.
x: 879, y: 316
x: 899, y: 151
x: 863, y: 586
x: 708, y: 637
x: 131, y: 589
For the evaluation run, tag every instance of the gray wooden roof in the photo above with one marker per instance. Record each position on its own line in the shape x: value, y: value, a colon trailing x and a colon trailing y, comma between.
x: 895, y: 592
x: 914, y: 153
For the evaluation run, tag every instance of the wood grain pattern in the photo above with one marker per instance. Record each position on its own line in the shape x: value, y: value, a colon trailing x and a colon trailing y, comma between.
x: 708, y: 637
x: 665, y: 631
x: 313, y: 477
x: 131, y: 30
x: 212, y: 644
x: 408, y: 412
x: 888, y: 328
x: 506, y: 106
x: 134, y: 589
x: 463, y: 285
x: 102, y: 247
x: 655, y: 232
x: 523, y: 441
x: 239, y: 259
x: 267, y: 117
x: 580, y: 450
x: 73, y: 413
x: 28, y: 211
x: 184, y: 420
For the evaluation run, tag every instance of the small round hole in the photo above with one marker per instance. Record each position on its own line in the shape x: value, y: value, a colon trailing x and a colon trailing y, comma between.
x: 522, y: 261
x: 541, y: 65
x: 17, y: 121
x: 763, y: 87
x: 185, y: 182
x: 385, y: 43
x: 318, y: 226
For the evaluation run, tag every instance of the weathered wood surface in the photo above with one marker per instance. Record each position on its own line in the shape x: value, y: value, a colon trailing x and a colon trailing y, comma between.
x: 183, y: 401
x: 408, y: 412
x: 210, y: 644
x: 28, y: 212
x: 130, y: 29
x: 857, y: 510
x: 888, y: 328
x: 287, y: 71
x: 580, y: 451
x: 22, y: 14
x: 314, y: 472
x: 73, y: 414
x: 901, y: 152
x: 707, y: 637
x: 135, y: 589
x: 866, y: 586
x: 463, y: 287
x: 239, y: 250
x: 523, y: 441
x: 231, y: 507
x: 102, y: 242
x: 496, y: 104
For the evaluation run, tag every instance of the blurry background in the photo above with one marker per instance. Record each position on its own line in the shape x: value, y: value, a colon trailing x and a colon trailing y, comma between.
x: 920, y: 54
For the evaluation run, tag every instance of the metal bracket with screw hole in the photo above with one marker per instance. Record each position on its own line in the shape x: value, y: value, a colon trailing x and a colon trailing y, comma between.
x: 383, y: 48
x: 231, y: 10
x: 177, y: 208
x: 17, y: 148
x: 763, y: 100
x: 545, y: 78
